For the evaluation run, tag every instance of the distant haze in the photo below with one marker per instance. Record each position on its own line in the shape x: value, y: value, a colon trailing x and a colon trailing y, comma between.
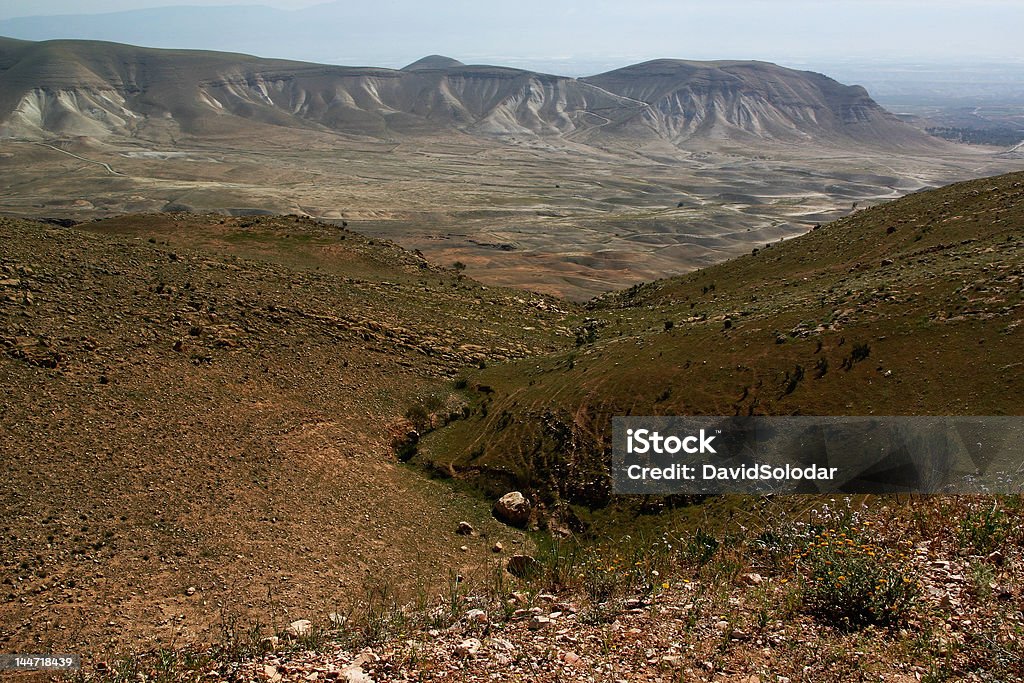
x: 571, y: 38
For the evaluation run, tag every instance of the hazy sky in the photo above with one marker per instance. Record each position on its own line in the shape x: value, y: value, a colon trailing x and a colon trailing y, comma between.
x: 560, y: 34
x: 27, y: 8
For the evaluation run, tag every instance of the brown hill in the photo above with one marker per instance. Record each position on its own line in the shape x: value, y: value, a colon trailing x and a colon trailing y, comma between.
x: 210, y: 404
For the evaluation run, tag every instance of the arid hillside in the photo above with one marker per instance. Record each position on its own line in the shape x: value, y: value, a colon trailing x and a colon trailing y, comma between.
x: 199, y: 417
x: 207, y: 420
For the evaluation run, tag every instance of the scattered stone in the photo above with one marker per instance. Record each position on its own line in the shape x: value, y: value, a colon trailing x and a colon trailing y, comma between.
x: 476, y: 616
x: 299, y: 628
x: 355, y: 674
x: 514, y: 509
x: 497, y: 547
x: 191, y: 590
x: 572, y: 659
x: 465, y: 529
x: 366, y: 657
x: 539, y: 622
x: 468, y: 648
x: 752, y: 579
x: 271, y: 673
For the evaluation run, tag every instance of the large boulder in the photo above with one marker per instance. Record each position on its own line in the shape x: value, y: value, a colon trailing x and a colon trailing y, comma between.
x: 513, y: 508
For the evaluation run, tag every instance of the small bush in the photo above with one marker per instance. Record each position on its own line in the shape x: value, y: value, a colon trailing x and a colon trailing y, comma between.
x: 700, y: 548
x: 850, y: 583
x: 984, y: 530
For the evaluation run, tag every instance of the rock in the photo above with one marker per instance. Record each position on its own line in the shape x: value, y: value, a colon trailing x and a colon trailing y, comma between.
x: 497, y: 547
x: 571, y: 658
x: 468, y: 648
x: 514, y: 509
x: 464, y: 548
x: 337, y: 620
x: 752, y: 579
x: 366, y: 657
x: 722, y: 626
x: 270, y: 643
x: 271, y: 673
x: 539, y: 622
x: 465, y: 529
x: 355, y: 674
x: 521, y: 565
x: 299, y: 628
x: 476, y: 616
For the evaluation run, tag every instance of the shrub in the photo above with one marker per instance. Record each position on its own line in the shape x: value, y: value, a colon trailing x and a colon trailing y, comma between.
x: 984, y: 530
x: 850, y: 583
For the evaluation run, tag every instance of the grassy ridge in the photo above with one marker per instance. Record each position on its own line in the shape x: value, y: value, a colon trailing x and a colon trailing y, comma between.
x: 910, y: 308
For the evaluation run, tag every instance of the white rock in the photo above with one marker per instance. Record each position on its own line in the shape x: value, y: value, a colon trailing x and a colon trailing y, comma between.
x: 355, y: 674
x: 299, y: 628
x: 752, y: 579
x: 468, y: 647
x: 513, y: 508
x: 539, y: 622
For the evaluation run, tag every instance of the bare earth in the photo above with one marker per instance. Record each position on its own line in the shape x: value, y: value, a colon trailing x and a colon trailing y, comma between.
x: 549, y: 216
